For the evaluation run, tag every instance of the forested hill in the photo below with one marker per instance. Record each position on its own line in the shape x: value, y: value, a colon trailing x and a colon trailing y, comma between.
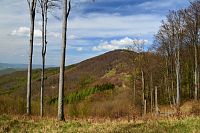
x: 92, y: 70
x: 112, y: 68
x: 94, y: 87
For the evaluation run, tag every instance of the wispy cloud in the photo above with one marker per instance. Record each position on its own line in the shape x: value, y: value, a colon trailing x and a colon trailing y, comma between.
x: 111, y: 25
x: 162, y: 4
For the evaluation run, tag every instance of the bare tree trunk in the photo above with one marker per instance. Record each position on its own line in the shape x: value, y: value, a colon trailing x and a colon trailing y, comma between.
x: 44, y: 45
x: 196, y: 77
x: 145, y: 107
x: 173, y: 93
x: 134, y: 88
x: 178, y: 76
x: 156, y: 101
x: 172, y: 83
x: 196, y: 51
x: 151, y: 100
x: 143, y: 86
x: 151, y: 93
x: 43, y: 67
x: 42, y: 88
x: 143, y: 93
x: 66, y: 11
x: 32, y: 6
x: 198, y: 91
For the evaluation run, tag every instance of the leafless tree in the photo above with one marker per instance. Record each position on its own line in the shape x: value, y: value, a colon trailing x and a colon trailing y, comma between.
x: 178, y: 38
x: 156, y: 101
x: 44, y: 12
x: 192, y: 19
x: 32, y: 10
x: 45, y: 5
x: 138, y: 46
x: 66, y: 11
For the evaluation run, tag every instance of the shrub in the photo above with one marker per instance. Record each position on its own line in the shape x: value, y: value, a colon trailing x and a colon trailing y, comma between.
x: 73, y: 110
x: 196, y: 109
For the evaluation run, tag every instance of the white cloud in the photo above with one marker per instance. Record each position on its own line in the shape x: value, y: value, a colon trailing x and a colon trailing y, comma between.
x: 37, y: 33
x: 21, y: 31
x: 72, y: 37
x: 54, y: 34
x: 81, y: 25
x: 76, y: 48
x: 24, y: 32
x: 118, y: 44
x: 79, y: 49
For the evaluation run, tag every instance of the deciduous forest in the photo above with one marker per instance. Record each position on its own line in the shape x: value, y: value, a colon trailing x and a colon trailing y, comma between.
x: 132, y: 89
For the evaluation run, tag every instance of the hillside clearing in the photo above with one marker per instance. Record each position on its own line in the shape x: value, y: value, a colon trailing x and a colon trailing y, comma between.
x: 172, y: 125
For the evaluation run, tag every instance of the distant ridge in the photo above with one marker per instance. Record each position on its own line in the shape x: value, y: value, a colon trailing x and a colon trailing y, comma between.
x: 6, y: 68
x: 17, y: 66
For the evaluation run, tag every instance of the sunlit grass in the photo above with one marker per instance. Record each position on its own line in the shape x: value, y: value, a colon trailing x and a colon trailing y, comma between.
x: 35, y: 124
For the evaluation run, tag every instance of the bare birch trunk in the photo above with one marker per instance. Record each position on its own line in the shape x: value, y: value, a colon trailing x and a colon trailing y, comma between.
x: 134, y: 88
x: 32, y: 6
x: 156, y: 101
x: 143, y: 86
x: 62, y: 63
x: 44, y: 45
x: 151, y: 93
x: 196, y: 78
x: 42, y: 88
x: 196, y: 52
x: 143, y: 93
x: 145, y: 107
x: 43, y: 67
x: 178, y: 76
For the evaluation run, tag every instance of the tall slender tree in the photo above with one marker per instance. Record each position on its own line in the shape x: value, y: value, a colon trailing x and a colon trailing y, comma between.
x: 66, y: 11
x: 177, y: 56
x: 138, y: 46
x: 196, y: 6
x: 45, y: 5
x: 178, y: 28
x: 156, y: 101
x: 32, y: 10
x: 44, y: 12
x: 192, y: 18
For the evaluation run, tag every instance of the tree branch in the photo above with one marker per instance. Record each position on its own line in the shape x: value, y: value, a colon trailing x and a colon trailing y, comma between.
x: 69, y: 9
x: 28, y: 1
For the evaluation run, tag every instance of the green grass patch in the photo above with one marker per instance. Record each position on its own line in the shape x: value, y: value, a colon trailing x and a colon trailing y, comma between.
x: 23, y: 124
x: 81, y: 95
x: 111, y: 73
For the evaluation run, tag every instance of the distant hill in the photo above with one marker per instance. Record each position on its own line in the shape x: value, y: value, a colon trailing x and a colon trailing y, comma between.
x: 16, y: 66
x: 6, y: 68
x: 7, y: 71
x: 114, y: 67
x: 104, y: 68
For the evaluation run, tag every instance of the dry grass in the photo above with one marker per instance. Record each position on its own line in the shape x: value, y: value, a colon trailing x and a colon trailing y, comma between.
x: 48, y: 125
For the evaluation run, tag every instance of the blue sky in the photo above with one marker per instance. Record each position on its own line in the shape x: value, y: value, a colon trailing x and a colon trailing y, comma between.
x: 94, y: 28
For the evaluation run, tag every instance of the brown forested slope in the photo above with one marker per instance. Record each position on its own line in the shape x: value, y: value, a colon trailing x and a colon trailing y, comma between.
x: 82, y: 98
x: 114, y: 67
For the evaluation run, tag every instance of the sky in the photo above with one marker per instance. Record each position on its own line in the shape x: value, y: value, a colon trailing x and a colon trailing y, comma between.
x: 93, y: 28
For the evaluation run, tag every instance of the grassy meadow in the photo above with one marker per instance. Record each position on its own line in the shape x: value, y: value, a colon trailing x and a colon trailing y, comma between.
x: 50, y: 125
